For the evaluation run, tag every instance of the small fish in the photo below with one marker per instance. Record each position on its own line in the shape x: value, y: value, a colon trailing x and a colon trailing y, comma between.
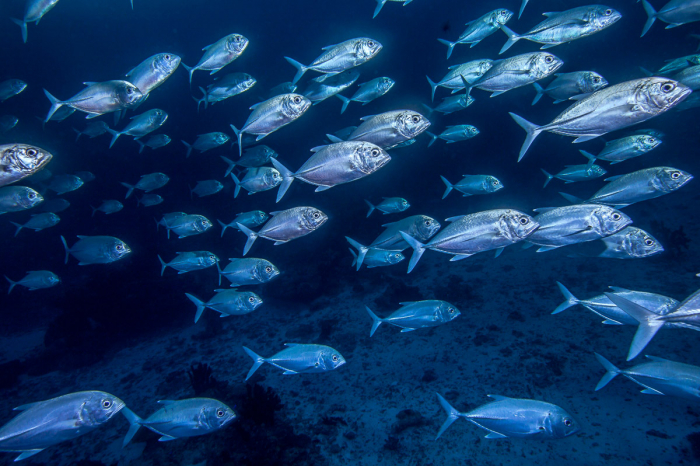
x: 388, y: 129
x: 188, y: 261
x: 36, y: 280
x: 389, y: 205
x: 415, y: 315
x: 18, y: 161
x: 154, y: 142
x: 454, y: 134
x: 147, y: 183
x: 574, y: 173
x: 18, y: 198
x: 99, y: 98
x: 251, y: 219
x: 420, y: 227
x: 229, y: 86
x: 33, y: 12
x: 373, y: 257
x: 10, y: 88
x: 85, y: 176
x: 249, y: 271
x: 148, y: 200
x: 689, y: 77
x: 54, y: 205
x: 219, y: 54
x: 675, y: 13
x: 284, y: 88
x: 7, y: 122
x: 451, y: 104
x: 96, y: 249
x: 252, y: 157
x: 622, y: 149
x: 206, y: 142
x: 141, y: 125
x: 188, y: 225
x: 286, y: 225
x: 514, y: 72
x: 257, y: 180
x: 206, y: 188
x: 381, y: 3
x: 38, y: 222
x: 571, y: 86
x: 479, y: 29
x: 630, y: 243
x: 368, y: 91
x: 228, y: 303
x: 62, y: 184
x: 108, y: 207
x: 92, y: 129
x: 153, y: 71
x: 470, y: 71
x: 299, y: 359
x: 168, y: 219
x: 471, y: 185
x: 317, y: 92
x: 339, y: 57
x: 677, y: 65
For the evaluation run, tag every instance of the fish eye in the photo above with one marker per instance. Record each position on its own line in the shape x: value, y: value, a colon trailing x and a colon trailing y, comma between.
x: 167, y: 57
x: 668, y: 87
x: 596, y: 80
x: 317, y: 215
x: 375, y: 152
x: 607, y: 12
x: 119, y: 247
x: 268, y: 269
x: 397, y: 255
x: 495, y: 183
x: 616, y: 216
x: 297, y: 100
x: 335, y: 357
x: 220, y: 413
x: 236, y: 39
x: 524, y: 220
x: 211, y: 257
x: 503, y: 12
x: 31, y: 152
x: 371, y: 43
x: 106, y: 404
x: 129, y: 90
x: 549, y: 59
x: 251, y: 299
x: 675, y: 175
x: 404, y: 202
x: 649, y: 242
x: 31, y: 195
x: 415, y: 118
x: 451, y: 310
x: 567, y: 421
x: 427, y: 223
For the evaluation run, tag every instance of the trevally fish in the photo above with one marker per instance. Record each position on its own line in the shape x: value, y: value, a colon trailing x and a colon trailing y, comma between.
x: 574, y: 173
x: 168, y: 219
x: 368, y: 91
x: 148, y: 200
x: 414, y: 315
x: 99, y: 98
x: 34, y: 10
x: 18, y: 198
x: 317, y: 91
x: 248, y: 271
x: 284, y: 88
x: 511, y: 73
x: 343, y: 134
x: 565, y: 26
x: 10, y: 88
x: 609, y: 109
x: 257, y: 179
x: 54, y: 205
x: 85, y: 176
x: 206, y: 188
x: 219, y: 54
x: 46, y: 423
x: 39, y: 222
x: 7, y: 122
x: 62, y: 184
x: 250, y: 219
x: 471, y: 185
x: 642, y: 185
x: 18, y: 161
x: 420, y: 227
x: 622, y: 149
x: 299, y: 359
x: 453, y: 134
x: 388, y: 129
x: 674, y: 13
x: 188, y: 261
x: 373, y: 257
x: 228, y: 303
x: 252, y: 157
x: 676, y: 65
x: 141, y: 125
x: 147, y: 183
x: 471, y: 71
x: 207, y: 141
x: 571, y: 86
x: 92, y: 129
x: 479, y: 29
x: 228, y: 86
x: 335, y: 164
x: 339, y: 57
x: 451, y: 104
x: 153, y: 71
x: 108, y: 207
x: 181, y: 419
x: 515, y: 418
x: 286, y: 225
x: 470, y: 234
x: 389, y: 205
x: 690, y: 77
x: 59, y: 115
x: 271, y: 115
x: 36, y: 280
x: 154, y: 142
x: 630, y: 243
x: 96, y: 249
x: 188, y: 225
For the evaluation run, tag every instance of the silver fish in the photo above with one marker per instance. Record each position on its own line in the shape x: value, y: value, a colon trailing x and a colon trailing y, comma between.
x: 188, y: 261
x: 92, y: 129
x: 188, y: 225
x: 299, y: 359
x: 18, y: 198
x: 609, y: 109
x: 415, y: 315
x: 141, y: 125
x: 252, y: 157
x: 420, y: 227
x: 251, y: 219
x: 65, y: 183
x: 368, y: 91
x: 99, y: 98
x: 154, y: 142
x: 388, y: 129
x: 33, y: 12
x: 85, y: 176
x: 153, y: 71
x: 54, y: 205
x: 108, y: 207
x: 286, y: 225
x: 18, y: 161
x: 96, y: 249
x: 690, y: 77
x: 228, y: 86
x: 59, y: 115
x: 373, y: 257
x: 228, y: 303
x: 206, y: 188
x: 317, y: 92
x: 470, y: 234
x: 343, y: 134
x: 284, y: 88
x: 511, y: 73
x: 471, y: 185
x: 574, y: 173
x: 471, y: 71
x: 7, y: 122
x: 168, y: 220
x: 675, y: 13
x: 676, y: 65
x: 39, y: 222
x: 562, y: 27
x: 451, y: 104
x: 631, y: 243
x: 147, y: 183
x: 622, y: 149
x: 479, y: 29
x: 207, y: 141
x: 571, y: 86
x: 219, y: 54
x: 257, y: 180
x: 454, y: 134
x: 339, y: 57
x: 148, y: 200
x: 335, y: 164
x: 389, y: 205
x: 36, y: 280
x: 10, y: 88
x: 46, y: 423
x: 249, y: 271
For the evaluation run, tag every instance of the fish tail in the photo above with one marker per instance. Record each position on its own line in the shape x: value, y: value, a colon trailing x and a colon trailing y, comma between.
x: 512, y: 38
x: 611, y: 373
x: 239, y: 138
x: 380, y: 5
x: 238, y: 185
x: 532, y: 132
x: 433, y: 137
x: 433, y: 87
x: 647, y: 328
x: 450, y: 46
x: 549, y: 177
x: 134, y: 425
x: 55, y: 105
x: 259, y: 360
x: 94, y: 209
x: 163, y: 265
x: 301, y: 69
x: 157, y: 224
x: 12, y: 284
x: 449, y: 186
x: 143, y: 146
x: 19, y: 227
x: 361, y: 251
x: 354, y: 257
x: 287, y: 178
x: 130, y: 189
x: 371, y: 208
x: 205, y: 99
x: 189, y: 148
x: 23, y: 26
x: 540, y: 93
x: 65, y: 246
x: 522, y: 8
x: 77, y: 132
x: 200, y: 306
x: 218, y: 269
x: 252, y: 236
x: 452, y: 415
x: 591, y: 158
x: 646, y: 72
x: 190, y: 71
x: 115, y: 136
x: 651, y: 13
x: 230, y: 163
x: 223, y: 228
x: 570, y: 198
x: 376, y: 321
x: 568, y: 296
x: 138, y: 199
x: 418, y: 249
x: 345, y: 100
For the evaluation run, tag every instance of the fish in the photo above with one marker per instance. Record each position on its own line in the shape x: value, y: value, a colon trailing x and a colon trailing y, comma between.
x: 7, y: 122
x: 511, y: 73
x: 470, y: 234
x: 39, y: 222
x: 18, y: 161
x: 675, y: 13
x: 299, y: 359
x: 619, y: 150
x: 168, y: 218
x: 62, y: 184
x: 471, y: 185
x: 690, y: 77
x: 658, y: 377
x: 206, y: 188
x: 574, y: 173
x: 286, y: 225
x: 335, y: 164
x: 54, y: 205
x: 284, y: 88
x: 252, y: 157
x: 631, y: 243
x: 96, y: 249
x: 188, y: 261
x: 181, y: 419
x: 414, y: 315
x: 317, y: 92
x: 522, y: 7
x: 389, y: 205
x: 85, y: 176
x: 451, y: 104
x: 36, y: 280
x: 420, y: 227
x: 613, y: 315
x: 339, y: 57
x: 153, y: 71
x: 34, y: 10
x: 188, y: 225
x: 562, y: 226
x: 270, y: 115
x: 454, y: 134
x: 515, y: 418
x: 566, y: 26
x: 46, y: 423
x: 147, y: 183
x: 10, y: 88
x: 250, y: 219
x: 219, y: 54
x: 381, y: 3
x: 571, y: 86
x: 367, y: 92
x: 479, y: 29
x: 205, y: 142
x: 470, y: 71
x: 154, y: 142
x: 58, y: 116
x: 248, y: 271
x: 642, y: 185
x: 18, y: 198
x: 141, y: 125
x: 257, y: 180
x: 99, y: 98
x: 228, y: 86
x: 148, y: 200
x: 92, y: 129
x: 676, y: 65
x: 610, y: 109
x: 227, y: 302
x: 372, y: 257
x: 388, y: 129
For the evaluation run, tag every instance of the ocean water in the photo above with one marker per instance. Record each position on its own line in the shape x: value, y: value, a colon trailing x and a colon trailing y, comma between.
x: 124, y: 329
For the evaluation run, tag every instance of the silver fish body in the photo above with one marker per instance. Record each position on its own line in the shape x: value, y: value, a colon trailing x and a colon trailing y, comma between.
x: 571, y: 86
x: 389, y: 205
x: 18, y: 161
x: 631, y: 243
x: 675, y: 13
x: 168, y: 219
x: 454, y: 134
x: 250, y: 219
x: 369, y: 91
x: 219, y: 54
x: 249, y: 271
x: 452, y: 104
x: 36, y: 280
x: 108, y: 207
x: 147, y: 183
x: 286, y: 225
x: 470, y: 72
x: 189, y: 261
x: 471, y: 185
x: 228, y: 86
x: 414, y: 315
x: 207, y: 141
x: 376, y: 258
x: 148, y: 200
x: 300, y: 359
x: 388, y: 129
x: 619, y: 150
x: 33, y: 12
x: 39, y: 222
x: 339, y: 57
x: 92, y: 129
x: 480, y: 29
x: 420, y: 227
x: 65, y: 183
x: 257, y: 179
x: 10, y: 88
x: 96, y: 249
x: 18, y: 198
x: 153, y: 71
x: 690, y: 77
x: 317, y: 92
x: 141, y: 125
x: 207, y: 188
x: 227, y: 302
x: 575, y: 173
x: 517, y: 71
x: 188, y: 225
x: 99, y: 98
x: 154, y: 142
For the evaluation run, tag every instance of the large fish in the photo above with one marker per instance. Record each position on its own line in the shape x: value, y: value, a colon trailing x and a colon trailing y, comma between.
x: 286, y: 225
x: 228, y: 303
x: 219, y: 54
x: 414, y: 315
x: 33, y: 12
x: 339, y: 57
x: 630, y: 243
x: 18, y: 198
x: 571, y: 86
x: 511, y: 73
x: 249, y: 271
x: 609, y: 109
x: 420, y: 227
x: 141, y: 125
x: 479, y: 29
x: 389, y: 129
x: 36, y: 280
x: 147, y: 183
x: 368, y: 91
x: 39, y: 222
x: 96, y: 249
x: 188, y: 261
x: 18, y: 161
x: 675, y: 13
x: 299, y: 359
x: 470, y: 71
x: 99, y: 98
x: 471, y: 185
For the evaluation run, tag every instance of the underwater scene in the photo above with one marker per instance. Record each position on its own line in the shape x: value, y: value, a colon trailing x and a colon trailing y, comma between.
x: 393, y: 232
